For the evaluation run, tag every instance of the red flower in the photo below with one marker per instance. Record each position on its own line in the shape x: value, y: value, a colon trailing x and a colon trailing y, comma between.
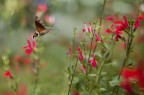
x: 80, y: 55
x: 110, y: 18
x: 30, y: 47
x: 8, y: 74
x: 42, y: 7
x: 93, y: 62
x: 108, y: 31
x: 117, y: 37
x: 134, y: 74
x: 127, y: 86
x: 117, y: 27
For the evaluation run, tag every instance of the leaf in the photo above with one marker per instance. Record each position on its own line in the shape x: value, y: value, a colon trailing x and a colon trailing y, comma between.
x: 114, y: 82
x: 102, y: 89
x: 75, y: 80
x: 98, y: 27
x: 92, y: 75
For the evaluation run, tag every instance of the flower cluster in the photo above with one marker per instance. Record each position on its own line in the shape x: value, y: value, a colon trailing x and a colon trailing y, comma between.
x: 91, y: 31
x: 118, y: 26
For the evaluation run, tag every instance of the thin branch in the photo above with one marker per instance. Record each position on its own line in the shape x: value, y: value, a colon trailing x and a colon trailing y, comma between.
x: 70, y: 85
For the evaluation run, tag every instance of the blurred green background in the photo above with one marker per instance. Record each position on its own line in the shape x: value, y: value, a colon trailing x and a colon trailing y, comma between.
x: 17, y: 23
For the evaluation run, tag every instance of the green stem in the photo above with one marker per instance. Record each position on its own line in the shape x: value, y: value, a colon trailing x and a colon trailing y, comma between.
x: 102, y: 64
x: 37, y: 76
x: 72, y: 76
x: 37, y: 68
x: 103, y: 8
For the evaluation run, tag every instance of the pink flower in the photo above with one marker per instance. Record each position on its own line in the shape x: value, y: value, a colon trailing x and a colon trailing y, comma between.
x: 97, y: 37
x: 87, y: 28
x: 50, y: 19
x: 90, y: 28
x: 80, y: 55
x: 42, y: 7
x: 8, y: 74
x: 93, y: 62
x: 30, y: 47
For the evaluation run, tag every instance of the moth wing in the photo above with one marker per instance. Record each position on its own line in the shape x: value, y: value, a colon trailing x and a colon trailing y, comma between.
x: 39, y: 26
x: 48, y: 29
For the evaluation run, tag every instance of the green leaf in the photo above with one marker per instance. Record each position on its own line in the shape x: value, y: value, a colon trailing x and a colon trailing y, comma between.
x: 102, y: 89
x: 75, y: 80
x: 92, y: 75
x: 114, y: 82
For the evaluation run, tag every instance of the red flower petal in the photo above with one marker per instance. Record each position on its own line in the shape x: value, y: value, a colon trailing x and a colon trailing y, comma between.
x: 28, y: 51
x: 128, y: 73
x: 8, y: 74
x: 108, y: 31
x: 127, y: 86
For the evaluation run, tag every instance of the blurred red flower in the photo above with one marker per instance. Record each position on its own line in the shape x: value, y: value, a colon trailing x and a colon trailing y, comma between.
x: 110, y: 18
x: 27, y: 60
x: 127, y: 86
x: 8, y: 74
x: 108, y: 31
x: 93, y: 61
x: 18, y: 58
x: 75, y: 92
x: 50, y: 19
x: 80, y: 55
x: 138, y: 21
x: 42, y: 7
x: 97, y: 37
x: 134, y: 74
x: 21, y: 91
x: 30, y: 47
